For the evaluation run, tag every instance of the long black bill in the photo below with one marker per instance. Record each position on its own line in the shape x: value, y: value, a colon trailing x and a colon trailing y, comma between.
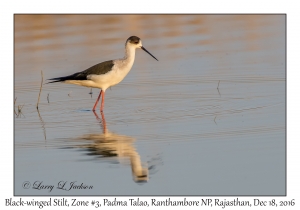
x: 148, y: 52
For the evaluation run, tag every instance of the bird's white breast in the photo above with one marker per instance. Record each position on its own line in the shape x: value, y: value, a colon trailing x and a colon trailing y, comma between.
x: 113, y: 77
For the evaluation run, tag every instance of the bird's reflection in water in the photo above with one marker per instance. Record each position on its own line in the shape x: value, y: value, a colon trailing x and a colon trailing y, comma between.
x: 107, y: 145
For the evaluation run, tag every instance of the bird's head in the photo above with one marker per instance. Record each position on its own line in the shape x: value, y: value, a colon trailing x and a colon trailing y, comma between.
x: 136, y: 42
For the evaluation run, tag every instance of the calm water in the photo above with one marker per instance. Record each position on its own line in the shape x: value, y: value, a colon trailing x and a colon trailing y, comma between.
x: 207, y: 119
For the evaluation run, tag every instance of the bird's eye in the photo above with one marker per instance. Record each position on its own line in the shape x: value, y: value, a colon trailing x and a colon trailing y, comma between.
x: 136, y: 42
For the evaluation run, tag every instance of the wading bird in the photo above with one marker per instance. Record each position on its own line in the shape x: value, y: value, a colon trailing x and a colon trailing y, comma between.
x: 108, y: 73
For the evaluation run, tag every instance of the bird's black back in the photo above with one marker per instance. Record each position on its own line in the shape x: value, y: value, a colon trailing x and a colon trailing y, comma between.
x: 98, y: 69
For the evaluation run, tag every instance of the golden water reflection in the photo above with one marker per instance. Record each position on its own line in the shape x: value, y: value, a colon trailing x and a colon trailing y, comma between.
x: 112, y: 145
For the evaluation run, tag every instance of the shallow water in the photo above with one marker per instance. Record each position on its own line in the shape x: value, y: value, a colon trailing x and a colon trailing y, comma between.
x: 207, y: 119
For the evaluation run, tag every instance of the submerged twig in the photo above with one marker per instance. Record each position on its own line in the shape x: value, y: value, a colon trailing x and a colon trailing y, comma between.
x: 91, y: 92
x: 20, y: 107
x: 15, y: 105
x: 43, y: 124
x: 218, y: 87
x: 37, y: 105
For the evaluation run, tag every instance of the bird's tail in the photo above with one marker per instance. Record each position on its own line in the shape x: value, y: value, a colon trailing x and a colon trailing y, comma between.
x: 53, y: 81
x: 59, y: 79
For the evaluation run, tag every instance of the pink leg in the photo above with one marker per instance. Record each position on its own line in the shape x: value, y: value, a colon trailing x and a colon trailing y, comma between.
x: 94, y: 108
x: 103, y: 120
x: 97, y: 117
x: 102, y: 102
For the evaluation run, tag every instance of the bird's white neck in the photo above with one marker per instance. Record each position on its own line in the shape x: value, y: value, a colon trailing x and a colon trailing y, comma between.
x: 129, y: 54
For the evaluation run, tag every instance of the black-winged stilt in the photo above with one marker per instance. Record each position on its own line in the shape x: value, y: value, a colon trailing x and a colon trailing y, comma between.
x: 108, y: 73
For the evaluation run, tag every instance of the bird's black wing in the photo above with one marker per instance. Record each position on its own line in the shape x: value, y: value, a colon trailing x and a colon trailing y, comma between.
x: 98, y: 69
